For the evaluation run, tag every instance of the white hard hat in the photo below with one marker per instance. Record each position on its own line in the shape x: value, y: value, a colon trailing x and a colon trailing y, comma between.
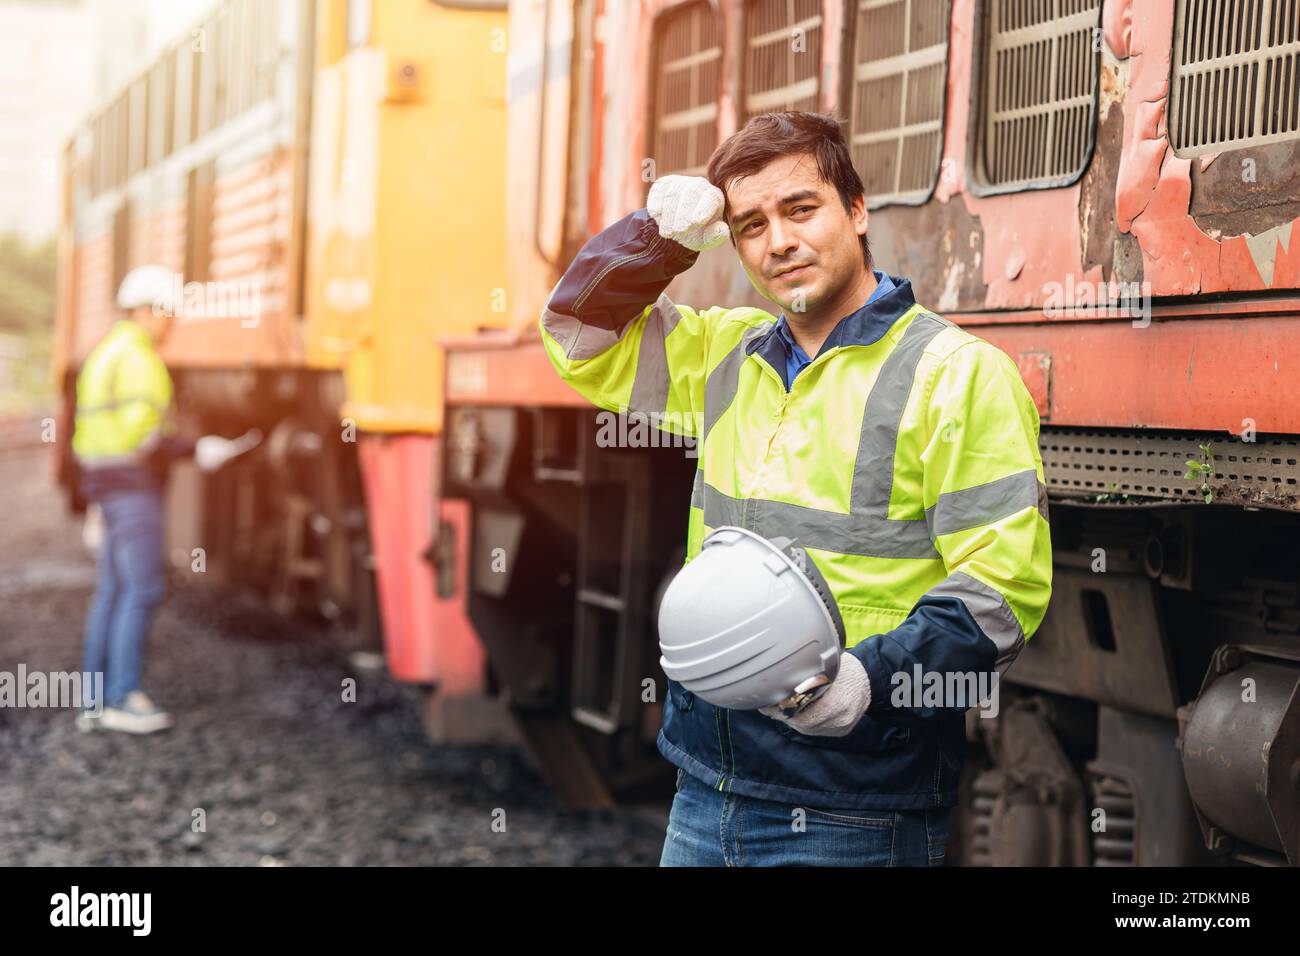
x: 147, y: 285
x: 749, y: 622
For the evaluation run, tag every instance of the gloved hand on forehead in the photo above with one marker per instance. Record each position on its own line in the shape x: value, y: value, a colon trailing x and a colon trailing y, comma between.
x: 688, y: 210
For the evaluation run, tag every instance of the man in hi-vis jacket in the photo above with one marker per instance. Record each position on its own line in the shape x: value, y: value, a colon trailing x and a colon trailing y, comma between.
x: 900, y: 451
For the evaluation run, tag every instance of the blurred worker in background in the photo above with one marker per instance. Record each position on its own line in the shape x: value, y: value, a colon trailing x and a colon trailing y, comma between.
x: 125, y: 435
x: 899, y: 451
x: 124, y: 438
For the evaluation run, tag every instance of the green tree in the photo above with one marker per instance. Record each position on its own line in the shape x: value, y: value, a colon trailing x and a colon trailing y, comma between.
x: 27, y: 283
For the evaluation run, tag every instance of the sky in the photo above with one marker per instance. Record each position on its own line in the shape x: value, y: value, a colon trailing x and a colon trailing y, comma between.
x: 59, y: 60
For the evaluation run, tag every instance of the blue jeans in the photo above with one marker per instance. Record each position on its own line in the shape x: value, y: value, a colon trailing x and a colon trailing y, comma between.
x: 709, y: 828
x: 131, y: 584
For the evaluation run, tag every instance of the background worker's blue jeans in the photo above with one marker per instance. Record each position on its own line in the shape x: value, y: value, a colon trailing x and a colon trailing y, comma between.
x: 709, y: 828
x: 131, y: 584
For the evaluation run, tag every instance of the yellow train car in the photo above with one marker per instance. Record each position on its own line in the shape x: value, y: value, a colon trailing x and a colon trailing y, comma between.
x: 406, y: 244
x: 326, y: 179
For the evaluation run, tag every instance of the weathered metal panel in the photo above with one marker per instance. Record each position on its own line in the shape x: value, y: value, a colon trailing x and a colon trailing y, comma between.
x: 1216, y: 374
x: 1140, y: 220
x: 427, y: 636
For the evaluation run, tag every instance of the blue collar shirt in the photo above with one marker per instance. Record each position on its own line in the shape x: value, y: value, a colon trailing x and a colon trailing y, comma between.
x: 796, y: 359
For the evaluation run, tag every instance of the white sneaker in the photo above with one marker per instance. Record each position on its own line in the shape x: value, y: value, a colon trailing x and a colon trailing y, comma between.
x: 87, y: 721
x: 137, y: 715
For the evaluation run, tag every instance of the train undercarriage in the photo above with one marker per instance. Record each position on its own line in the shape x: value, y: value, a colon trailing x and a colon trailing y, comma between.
x: 1154, y: 719
x: 288, y: 519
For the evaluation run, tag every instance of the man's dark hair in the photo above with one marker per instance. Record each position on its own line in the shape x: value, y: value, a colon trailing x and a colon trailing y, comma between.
x: 770, y: 136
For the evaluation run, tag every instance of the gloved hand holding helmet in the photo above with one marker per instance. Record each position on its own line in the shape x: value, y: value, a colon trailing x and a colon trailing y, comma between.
x: 688, y: 210
x: 750, y: 624
x: 213, y: 451
x: 836, y: 711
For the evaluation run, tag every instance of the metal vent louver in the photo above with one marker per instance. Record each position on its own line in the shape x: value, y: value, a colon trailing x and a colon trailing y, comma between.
x: 899, y: 74
x: 688, y: 60
x: 1083, y: 461
x: 978, y: 848
x: 1236, y: 74
x: 1116, y: 845
x: 1040, y: 90
x: 783, y: 58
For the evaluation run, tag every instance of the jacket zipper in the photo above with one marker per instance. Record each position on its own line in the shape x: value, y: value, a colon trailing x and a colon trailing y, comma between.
x: 590, y: 286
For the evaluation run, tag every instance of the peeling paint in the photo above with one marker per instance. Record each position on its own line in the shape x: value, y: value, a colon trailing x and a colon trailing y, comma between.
x: 1113, y: 84
x: 1264, y: 249
x: 1153, y: 198
x: 1044, y: 221
x: 1117, y: 26
x: 949, y: 299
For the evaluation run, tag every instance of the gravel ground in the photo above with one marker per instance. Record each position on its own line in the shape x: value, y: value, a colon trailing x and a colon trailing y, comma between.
x: 283, y: 770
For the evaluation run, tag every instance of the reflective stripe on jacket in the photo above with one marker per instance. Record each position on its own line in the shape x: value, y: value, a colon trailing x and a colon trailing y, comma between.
x: 124, y: 396
x: 904, y: 458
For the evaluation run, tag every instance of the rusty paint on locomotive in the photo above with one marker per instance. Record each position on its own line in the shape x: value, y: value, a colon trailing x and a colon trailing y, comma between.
x: 1184, y: 229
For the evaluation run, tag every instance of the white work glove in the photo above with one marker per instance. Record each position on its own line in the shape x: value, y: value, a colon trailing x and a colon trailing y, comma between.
x: 213, y: 451
x: 838, y: 709
x: 688, y: 210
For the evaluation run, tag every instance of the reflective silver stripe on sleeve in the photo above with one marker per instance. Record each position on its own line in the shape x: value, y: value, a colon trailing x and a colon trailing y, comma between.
x: 991, y: 612
x: 650, y: 386
x: 580, y: 341
x: 697, y: 489
x: 983, y: 504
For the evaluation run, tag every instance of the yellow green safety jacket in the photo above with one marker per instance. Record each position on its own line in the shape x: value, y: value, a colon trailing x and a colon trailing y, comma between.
x: 904, y: 458
x: 124, y: 422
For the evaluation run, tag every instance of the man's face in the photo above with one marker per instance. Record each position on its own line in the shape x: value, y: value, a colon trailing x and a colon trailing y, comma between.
x: 796, y: 242
x: 156, y: 325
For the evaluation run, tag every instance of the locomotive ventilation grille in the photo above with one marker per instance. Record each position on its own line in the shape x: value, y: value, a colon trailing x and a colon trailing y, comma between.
x: 984, y: 794
x: 783, y: 55
x: 688, y: 63
x: 1082, y: 462
x: 1040, y: 96
x: 1114, y: 844
x: 1236, y: 74
x: 900, y: 57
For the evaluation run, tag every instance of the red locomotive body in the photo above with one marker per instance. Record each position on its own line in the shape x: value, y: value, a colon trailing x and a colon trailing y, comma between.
x: 1110, y: 192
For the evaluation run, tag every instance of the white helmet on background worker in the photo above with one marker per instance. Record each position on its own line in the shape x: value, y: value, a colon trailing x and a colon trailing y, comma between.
x: 148, y: 286
x: 749, y: 623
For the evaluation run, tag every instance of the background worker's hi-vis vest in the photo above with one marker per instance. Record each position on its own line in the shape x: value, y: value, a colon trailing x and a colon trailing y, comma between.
x: 904, y: 458
x: 124, y: 397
